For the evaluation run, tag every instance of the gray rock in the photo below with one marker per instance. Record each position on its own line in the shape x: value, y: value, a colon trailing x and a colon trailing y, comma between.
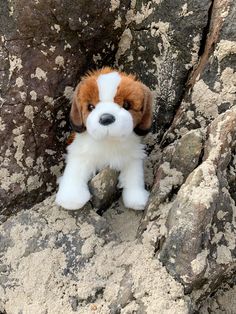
x: 192, y: 221
x: 104, y: 189
x: 56, y: 229
x: 125, y: 295
x: 185, y: 51
x: 178, y: 161
x: 223, y: 301
x: 160, y: 45
x: 187, y: 152
x: 200, y: 248
x: 211, y: 83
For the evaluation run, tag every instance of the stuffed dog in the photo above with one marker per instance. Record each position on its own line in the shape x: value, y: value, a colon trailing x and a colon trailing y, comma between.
x: 109, y: 113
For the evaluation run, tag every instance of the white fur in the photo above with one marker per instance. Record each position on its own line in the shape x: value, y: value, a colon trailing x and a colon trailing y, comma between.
x: 120, y: 128
x: 123, y: 125
x: 111, y: 80
x: 87, y: 155
x: 113, y: 145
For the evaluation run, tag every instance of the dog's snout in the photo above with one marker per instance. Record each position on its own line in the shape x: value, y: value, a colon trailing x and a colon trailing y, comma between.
x: 106, y: 119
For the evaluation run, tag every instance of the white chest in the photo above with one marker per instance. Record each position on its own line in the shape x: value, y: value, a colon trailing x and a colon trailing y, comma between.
x: 109, y: 152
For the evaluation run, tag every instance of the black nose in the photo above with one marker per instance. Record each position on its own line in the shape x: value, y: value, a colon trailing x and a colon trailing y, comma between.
x: 106, y: 119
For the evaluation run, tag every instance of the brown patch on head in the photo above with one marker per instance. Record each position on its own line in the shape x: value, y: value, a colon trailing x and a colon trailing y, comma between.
x: 144, y: 126
x: 130, y: 93
x: 137, y: 99
x: 85, y: 96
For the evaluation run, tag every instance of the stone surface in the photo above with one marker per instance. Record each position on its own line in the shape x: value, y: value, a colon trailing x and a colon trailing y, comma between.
x: 104, y: 189
x: 53, y: 261
x: 212, y: 83
x: 177, y: 162
x: 44, y: 49
x: 191, y: 211
x: 194, y: 232
x: 223, y: 301
x: 160, y: 44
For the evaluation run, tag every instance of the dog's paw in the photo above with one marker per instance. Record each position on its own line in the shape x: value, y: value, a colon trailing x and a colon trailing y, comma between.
x: 135, y: 198
x: 72, y: 201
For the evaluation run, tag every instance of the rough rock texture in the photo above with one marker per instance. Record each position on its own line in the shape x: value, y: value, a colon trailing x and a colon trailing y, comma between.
x: 161, y: 44
x: 44, y: 49
x: 191, y: 211
x: 212, y: 82
x: 176, y: 163
x: 104, y: 189
x: 200, y: 245
x: 223, y: 301
x: 56, y: 262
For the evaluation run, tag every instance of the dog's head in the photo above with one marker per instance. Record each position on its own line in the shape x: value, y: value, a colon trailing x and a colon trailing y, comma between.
x: 109, y: 103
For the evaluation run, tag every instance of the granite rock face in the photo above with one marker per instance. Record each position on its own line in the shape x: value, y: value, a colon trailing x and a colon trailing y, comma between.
x: 211, y: 84
x: 200, y: 246
x: 191, y: 211
x: 161, y: 44
x: 177, y: 162
x: 44, y: 49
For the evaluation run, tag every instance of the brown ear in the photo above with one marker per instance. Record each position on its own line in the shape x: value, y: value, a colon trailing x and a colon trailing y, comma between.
x: 76, y: 119
x: 145, y: 125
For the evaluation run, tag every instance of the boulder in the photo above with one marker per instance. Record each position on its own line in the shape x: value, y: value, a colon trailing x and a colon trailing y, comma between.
x: 54, y: 260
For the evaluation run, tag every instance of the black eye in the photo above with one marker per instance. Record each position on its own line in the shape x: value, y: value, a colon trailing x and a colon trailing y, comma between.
x: 126, y: 105
x: 90, y: 107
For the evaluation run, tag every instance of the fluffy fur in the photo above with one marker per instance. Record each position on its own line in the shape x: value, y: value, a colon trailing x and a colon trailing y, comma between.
x: 108, y: 110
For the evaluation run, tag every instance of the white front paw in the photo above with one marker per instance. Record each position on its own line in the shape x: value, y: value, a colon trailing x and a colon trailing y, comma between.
x: 135, y: 198
x: 72, y: 199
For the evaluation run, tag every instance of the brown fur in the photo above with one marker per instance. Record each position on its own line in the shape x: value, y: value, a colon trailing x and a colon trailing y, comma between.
x: 130, y: 89
x: 86, y: 93
x: 146, y: 122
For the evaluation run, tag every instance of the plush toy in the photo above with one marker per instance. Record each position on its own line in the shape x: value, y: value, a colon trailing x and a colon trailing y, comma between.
x: 71, y: 138
x: 109, y: 113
